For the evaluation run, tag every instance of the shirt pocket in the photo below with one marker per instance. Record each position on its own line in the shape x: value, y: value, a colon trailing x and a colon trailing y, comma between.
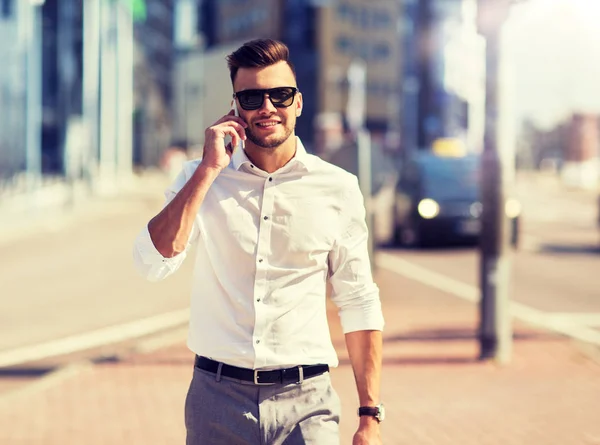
x: 313, y: 225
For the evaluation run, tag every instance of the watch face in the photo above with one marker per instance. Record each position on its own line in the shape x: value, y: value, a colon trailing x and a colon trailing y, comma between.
x: 381, y: 413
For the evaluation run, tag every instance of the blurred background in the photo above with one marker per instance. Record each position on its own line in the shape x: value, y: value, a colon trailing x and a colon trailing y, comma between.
x: 93, y: 92
x: 473, y: 125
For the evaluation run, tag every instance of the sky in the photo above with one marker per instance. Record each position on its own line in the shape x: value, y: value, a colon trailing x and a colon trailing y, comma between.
x: 554, y: 46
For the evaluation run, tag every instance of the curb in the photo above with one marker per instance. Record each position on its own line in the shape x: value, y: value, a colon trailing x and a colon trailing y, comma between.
x: 94, y: 339
x: 47, y: 381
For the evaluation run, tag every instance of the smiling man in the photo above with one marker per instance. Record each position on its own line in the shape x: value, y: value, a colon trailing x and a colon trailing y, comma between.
x: 272, y: 224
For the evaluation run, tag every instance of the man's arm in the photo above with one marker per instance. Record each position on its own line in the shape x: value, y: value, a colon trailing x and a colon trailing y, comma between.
x: 171, y: 228
x: 365, y: 349
x: 357, y: 296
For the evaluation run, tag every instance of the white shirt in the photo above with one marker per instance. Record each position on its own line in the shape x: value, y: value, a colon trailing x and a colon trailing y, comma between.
x: 266, y: 245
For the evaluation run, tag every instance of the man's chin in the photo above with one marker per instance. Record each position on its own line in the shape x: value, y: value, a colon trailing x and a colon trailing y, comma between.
x: 271, y: 141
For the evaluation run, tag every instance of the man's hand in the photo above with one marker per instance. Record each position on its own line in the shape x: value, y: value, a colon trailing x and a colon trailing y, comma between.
x: 216, y: 155
x: 368, y: 432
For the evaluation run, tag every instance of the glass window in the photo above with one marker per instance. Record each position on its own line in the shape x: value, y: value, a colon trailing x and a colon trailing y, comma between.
x: 6, y: 8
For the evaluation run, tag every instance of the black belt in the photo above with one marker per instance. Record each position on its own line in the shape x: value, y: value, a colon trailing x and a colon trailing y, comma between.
x: 289, y: 375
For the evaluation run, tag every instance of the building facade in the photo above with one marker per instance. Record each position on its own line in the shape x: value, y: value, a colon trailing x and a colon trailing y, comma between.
x: 324, y: 37
x: 87, y: 89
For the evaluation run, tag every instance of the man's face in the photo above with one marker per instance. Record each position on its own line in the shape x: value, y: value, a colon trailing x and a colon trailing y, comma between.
x: 268, y: 127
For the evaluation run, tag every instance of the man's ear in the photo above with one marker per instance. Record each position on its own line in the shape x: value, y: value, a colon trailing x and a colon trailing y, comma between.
x: 299, y: 105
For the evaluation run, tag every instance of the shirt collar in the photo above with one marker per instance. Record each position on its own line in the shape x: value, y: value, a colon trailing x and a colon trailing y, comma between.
x: 301, y: 157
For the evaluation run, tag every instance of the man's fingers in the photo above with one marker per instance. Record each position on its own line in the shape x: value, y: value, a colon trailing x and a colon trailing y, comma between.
x: 239, y: 130
x: 231, y: 118
x: 235, y: 137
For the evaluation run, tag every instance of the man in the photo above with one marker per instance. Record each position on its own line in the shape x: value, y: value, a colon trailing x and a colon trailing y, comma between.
x: 271, y: 224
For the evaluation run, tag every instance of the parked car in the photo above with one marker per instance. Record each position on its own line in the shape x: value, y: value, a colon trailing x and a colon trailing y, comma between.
x: 437, y: 199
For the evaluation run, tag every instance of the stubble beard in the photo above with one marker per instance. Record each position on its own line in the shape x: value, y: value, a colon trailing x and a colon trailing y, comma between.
x: 272, y: 142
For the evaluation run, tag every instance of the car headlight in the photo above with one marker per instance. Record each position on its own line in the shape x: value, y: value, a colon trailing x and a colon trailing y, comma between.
x: 475, y: 209
x: 428, y: 208
x: 512, y: 208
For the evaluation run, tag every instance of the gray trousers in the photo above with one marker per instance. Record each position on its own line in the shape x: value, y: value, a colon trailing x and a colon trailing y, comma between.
x: 224, y: 411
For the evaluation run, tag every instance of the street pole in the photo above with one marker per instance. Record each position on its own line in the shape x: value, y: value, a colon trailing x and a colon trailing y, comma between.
x: 495, y: 332
x: 91, y: 87
x: 125, y: 103
x: 33, y: 134
x: 71, y: 149
x: 108, y: 98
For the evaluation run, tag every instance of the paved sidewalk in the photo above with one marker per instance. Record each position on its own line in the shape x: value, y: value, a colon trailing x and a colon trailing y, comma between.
x: 434, y: 389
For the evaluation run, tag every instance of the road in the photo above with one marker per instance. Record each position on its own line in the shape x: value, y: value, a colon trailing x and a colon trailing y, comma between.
x: 555, y: 271
x: 68, y: 282
x: 78, y: 277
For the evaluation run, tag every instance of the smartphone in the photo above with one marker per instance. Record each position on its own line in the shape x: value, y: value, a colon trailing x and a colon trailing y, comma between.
x: 237, y: 113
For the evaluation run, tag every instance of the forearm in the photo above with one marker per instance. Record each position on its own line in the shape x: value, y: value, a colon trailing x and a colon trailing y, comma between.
x: 171, y: 228
x: 365, y: 351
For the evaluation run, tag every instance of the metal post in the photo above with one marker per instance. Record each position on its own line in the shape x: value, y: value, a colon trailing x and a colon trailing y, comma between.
x: 125, y: 93
x: 70, y: 147
x: 33, y: 134
x: 91, y: 86
x: 495, y: 333
x: 108, y: 100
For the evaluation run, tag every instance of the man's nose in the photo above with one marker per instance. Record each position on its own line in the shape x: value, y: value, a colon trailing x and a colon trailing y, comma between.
x: 267, y: 105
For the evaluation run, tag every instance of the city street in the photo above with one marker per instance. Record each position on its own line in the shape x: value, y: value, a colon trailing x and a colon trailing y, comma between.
x: 553, y: 278
x: 444, y: 110
x: 70, y: 292
x: 70, y: 282
x: 76, y: 276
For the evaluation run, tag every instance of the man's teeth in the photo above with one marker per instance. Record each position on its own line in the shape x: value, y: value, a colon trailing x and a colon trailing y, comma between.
x: 267, y: 124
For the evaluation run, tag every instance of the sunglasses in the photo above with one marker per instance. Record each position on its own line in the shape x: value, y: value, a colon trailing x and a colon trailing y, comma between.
x: 280, y: 97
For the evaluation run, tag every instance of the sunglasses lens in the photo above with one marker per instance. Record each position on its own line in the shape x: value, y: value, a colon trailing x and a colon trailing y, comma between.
x: 250, y: 100
x: 282, y: 96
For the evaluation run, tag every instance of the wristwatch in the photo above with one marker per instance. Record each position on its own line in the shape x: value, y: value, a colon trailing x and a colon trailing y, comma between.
x: 374, y: 411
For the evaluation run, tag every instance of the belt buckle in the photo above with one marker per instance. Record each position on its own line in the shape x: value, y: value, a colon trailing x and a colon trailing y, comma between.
x: 300, y: 374
x: 256, y: 382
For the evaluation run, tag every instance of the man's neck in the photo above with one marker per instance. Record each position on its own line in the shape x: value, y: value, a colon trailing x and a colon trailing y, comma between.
x: 273, y: 159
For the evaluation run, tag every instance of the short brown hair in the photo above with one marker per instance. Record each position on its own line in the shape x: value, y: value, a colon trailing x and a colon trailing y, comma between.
x: 258, y: 53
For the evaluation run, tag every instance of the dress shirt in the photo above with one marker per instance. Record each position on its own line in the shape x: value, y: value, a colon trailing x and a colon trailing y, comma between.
x: 266, y: 245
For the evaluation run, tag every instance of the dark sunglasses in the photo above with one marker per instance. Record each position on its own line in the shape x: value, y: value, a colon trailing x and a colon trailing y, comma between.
x: 280, y: 97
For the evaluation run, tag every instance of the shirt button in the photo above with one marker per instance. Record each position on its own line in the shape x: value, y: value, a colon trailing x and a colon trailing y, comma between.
x: 260, y: 260
x: 257, y: 341
x: 270, y: 179
x: 251, y: 166
x: 258, y: 300
x: 265, y: 218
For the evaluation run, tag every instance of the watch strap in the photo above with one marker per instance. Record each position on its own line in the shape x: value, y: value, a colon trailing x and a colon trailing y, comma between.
x: 372, y: 411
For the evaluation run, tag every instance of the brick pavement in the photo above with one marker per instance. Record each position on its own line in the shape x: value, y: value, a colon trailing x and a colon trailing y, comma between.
x: 434, y: 389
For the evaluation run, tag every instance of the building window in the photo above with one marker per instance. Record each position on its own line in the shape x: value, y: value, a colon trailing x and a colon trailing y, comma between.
x: 6, y: 8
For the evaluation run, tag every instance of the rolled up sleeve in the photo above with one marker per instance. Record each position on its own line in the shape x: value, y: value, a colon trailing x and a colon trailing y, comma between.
x: 149, y: 262
x: 147, y: 259
x: 353, y: 290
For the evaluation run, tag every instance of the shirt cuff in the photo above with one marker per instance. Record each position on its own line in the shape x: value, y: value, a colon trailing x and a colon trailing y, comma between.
x: 149, y: 260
